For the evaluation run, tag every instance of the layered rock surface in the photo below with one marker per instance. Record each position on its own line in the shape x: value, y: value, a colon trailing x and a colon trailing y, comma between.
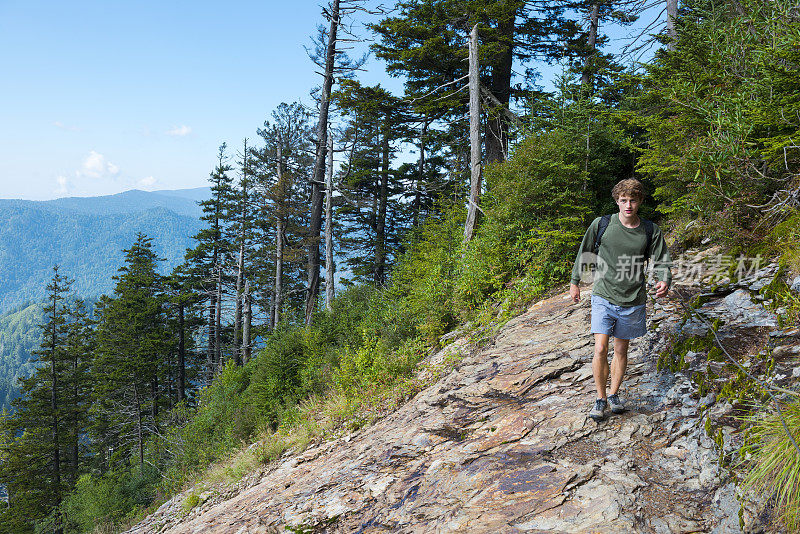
x: 502, y: 444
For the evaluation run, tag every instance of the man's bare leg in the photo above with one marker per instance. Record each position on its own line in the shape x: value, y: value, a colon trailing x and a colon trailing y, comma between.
x: 618, y: 363
x: 600, y: 368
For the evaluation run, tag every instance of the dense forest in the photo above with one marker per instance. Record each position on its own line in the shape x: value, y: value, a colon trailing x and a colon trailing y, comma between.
x: 20, y: 335
x: 253, y: 335
x: 86, y: 236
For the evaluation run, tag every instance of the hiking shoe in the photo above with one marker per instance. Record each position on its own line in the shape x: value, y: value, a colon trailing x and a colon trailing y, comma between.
x: 615, y: 404
x: 598, y: 412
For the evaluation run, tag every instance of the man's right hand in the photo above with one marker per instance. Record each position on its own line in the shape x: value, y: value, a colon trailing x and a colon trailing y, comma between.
x: 575, y: 292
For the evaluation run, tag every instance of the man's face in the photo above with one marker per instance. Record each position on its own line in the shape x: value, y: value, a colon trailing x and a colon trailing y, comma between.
x: 628, y: 205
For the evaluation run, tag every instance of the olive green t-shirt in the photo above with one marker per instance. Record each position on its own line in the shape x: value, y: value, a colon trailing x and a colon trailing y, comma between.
x: 619, y: 276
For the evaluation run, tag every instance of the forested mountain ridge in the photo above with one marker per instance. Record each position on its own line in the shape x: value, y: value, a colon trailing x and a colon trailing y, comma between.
x: 20, y: 335
x: 86, y: 236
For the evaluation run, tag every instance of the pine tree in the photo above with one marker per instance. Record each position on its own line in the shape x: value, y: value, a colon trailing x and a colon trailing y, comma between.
x: 211, y: 260
x: 282, y: 170
x: 129, y: 366
x: 241, y: 237
x: 427, y: 43
x: 336, y: 65
x: 184, y: 321
x: 79, y: 346
x: 377, y: 124
x: 41, y: 457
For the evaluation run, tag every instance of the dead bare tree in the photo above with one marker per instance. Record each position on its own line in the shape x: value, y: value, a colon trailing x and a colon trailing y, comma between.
x: 474, y: 136
x: 330, y: 266
x: 335, y: 63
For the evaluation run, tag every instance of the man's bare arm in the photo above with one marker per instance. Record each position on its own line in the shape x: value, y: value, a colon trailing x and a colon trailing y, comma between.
x: 575, y: 292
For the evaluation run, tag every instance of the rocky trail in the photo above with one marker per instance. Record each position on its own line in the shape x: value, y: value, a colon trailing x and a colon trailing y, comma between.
x: 502, y: 443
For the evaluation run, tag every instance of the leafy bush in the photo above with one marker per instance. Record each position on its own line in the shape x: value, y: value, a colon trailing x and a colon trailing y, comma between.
x: 419, y: 299
x: 715, y: 109
x: 536, y: 208
x: 109, y: 499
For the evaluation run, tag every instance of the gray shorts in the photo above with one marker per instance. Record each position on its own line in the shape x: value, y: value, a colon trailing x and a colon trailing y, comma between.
x: 621, y: 322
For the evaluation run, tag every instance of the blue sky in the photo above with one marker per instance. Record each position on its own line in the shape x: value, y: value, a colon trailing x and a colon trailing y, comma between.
x: 97, y: 97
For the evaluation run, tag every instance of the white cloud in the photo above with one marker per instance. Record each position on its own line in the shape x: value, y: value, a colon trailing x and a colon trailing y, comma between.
x: 96, y: 166
x: 60, y: 125
x: 180, y: 131
x: 63, y: 185
x: 146, y: 182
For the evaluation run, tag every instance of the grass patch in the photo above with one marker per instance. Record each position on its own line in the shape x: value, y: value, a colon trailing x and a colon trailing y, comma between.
x: 192, y: 501
x: 774, y: 464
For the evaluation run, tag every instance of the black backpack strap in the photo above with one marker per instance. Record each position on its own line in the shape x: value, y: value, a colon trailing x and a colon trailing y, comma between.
x: 601, y: 227
x: 648, y: 229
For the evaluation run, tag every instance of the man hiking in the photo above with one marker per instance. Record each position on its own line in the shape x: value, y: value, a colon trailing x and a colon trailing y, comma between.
x: 618, y: 246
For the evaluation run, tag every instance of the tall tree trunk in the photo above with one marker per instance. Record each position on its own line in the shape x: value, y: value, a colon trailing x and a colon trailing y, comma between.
x: 373, y: 219
x: 76, y: 430
x: 54, y: 402
x: 589, y: 63
x: 154, y: 393
x: 497, y: 126
x: 330, y: 267
x: 237, y: 327
x: 238, y: 317
x: 181, y: 353
x: 212, y: 308
x: 383, y: 198
x: 416, y: 203
x: 474, y: 136
x: 212, y: 304
x: 139, y: 430
x: 672, y: 14
x: 587, y: 78
x: 315, y: 221
x: 279, y: 234
x: 218, y: 323
x: 248, y: 313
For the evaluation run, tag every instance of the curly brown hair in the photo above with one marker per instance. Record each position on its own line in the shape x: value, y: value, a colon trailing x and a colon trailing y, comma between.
x: 630, y: 187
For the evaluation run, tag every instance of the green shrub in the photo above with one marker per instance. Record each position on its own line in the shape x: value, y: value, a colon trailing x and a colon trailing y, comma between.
x: 536, y: 211
x: 109, y: 499
x: 191, y: 501
x: 419, y: 299
x: 362, y: 367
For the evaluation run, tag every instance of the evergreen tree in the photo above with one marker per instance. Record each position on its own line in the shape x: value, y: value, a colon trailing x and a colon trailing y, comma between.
x: 282, y: 172
x: 41, y: 457
x: 212, y: 259
x: 129, y: 366
x: 184, y: 322
x: 427, y: 43
x: 79, y: 347
x: 369, y: 186
x: 241, y: 237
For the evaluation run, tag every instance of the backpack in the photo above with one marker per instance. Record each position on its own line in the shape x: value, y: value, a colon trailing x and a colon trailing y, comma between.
x: 648, y: 230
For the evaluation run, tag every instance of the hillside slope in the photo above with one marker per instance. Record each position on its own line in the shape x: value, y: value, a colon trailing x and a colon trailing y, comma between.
x: 502, y: 443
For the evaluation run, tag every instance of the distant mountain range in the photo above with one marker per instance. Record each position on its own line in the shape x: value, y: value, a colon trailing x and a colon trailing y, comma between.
x: 86, y: 237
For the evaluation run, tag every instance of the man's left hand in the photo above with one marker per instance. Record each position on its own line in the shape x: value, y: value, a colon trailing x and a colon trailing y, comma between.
x: 661, y: 289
